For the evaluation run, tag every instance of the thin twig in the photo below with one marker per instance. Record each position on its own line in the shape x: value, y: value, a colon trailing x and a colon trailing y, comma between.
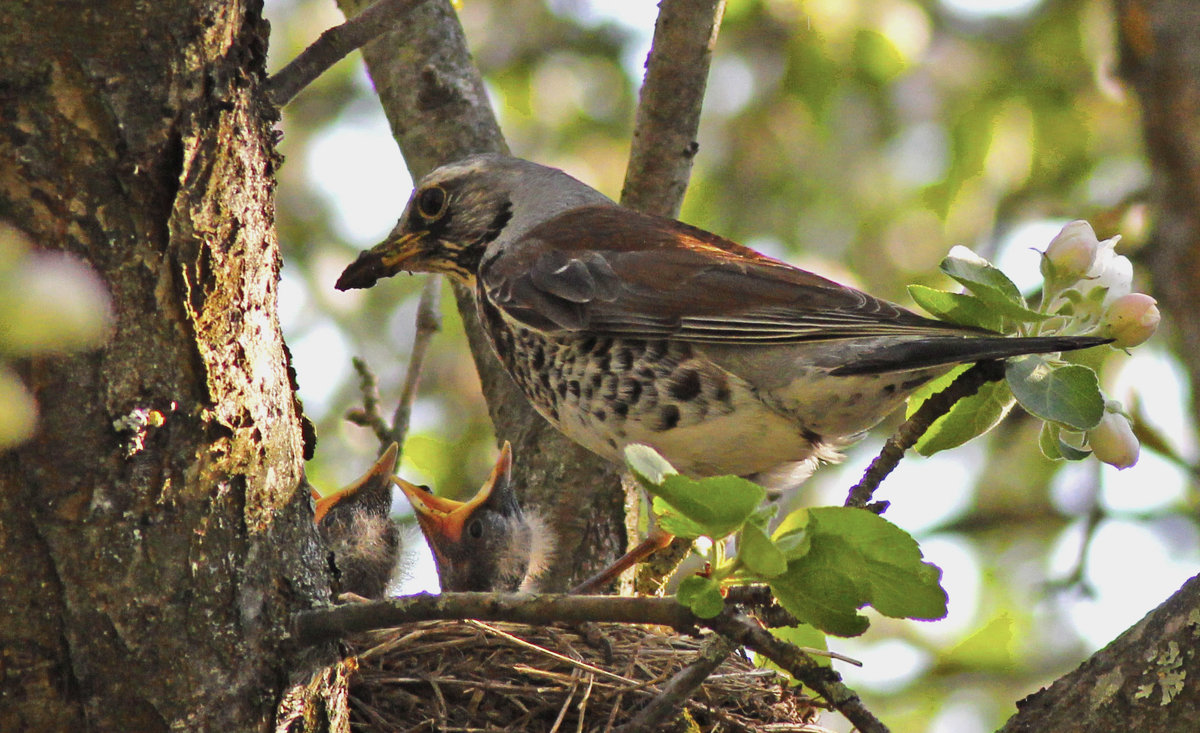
x: 681, y: 686
x: 429, y: 322
x: 911, y: 430
x: 333, y: 45
x: 368, y: 415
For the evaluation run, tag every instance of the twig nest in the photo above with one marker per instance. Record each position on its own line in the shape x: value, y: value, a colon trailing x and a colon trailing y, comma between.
x: 471, y: 676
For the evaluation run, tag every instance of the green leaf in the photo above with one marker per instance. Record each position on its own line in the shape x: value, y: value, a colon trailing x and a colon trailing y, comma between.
x: 969, y: 418
x: 902, y: 585
x: 791, y: 536
x: 1048, y: 441
x: 821, y: 596
x: 670, y: 520
x: 858, y: 558
x: 961, y: 308
x: 1067, y: 394
x: 702, y: 595
x: 974, y: 271
x: 759, y: 553
x: 647, y: 466
x: 718, y: 505
x: 930, y: 388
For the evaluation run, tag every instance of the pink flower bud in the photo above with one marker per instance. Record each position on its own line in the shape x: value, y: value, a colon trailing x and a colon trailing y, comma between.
x: 1131, y: 319
x: 1073, y: 251
x: 1113, y: 441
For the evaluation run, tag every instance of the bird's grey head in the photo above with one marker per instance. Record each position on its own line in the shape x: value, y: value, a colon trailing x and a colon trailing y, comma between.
x: 459, y: 209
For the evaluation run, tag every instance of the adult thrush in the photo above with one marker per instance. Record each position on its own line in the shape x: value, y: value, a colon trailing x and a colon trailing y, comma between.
x: 622, y: 327
x: 359, y: 532
x: 487, y: 543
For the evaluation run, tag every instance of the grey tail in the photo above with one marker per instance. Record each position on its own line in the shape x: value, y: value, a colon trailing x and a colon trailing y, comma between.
x: 935, y: 351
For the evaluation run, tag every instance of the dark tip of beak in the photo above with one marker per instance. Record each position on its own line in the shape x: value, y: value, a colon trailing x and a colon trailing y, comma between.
x: 364, y: 272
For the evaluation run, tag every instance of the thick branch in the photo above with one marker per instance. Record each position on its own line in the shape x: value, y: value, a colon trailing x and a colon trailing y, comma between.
x: 668, y: 115
x: 330, y: 623
x: 1143, y: 680
x: 333, y: 45
x: 1160, y: 56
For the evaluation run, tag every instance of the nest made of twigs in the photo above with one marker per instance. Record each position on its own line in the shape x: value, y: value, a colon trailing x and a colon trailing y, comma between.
x: 471, y: 676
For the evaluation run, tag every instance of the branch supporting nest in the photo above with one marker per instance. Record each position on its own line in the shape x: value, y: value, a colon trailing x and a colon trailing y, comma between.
x: 311, y: 627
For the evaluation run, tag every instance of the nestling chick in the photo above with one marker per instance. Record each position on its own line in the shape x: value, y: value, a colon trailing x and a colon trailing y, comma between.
x: 487, y: 543
x: 355, y: 524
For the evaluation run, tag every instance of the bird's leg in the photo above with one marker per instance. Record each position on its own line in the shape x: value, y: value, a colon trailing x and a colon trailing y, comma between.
x: 656, y: 540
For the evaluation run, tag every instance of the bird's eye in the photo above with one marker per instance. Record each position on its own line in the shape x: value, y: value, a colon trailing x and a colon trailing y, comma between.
x: 431, y: 202
x: 475, y: 528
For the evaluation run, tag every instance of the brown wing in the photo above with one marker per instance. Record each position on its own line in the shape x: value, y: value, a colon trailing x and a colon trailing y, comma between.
x: 613, y: 271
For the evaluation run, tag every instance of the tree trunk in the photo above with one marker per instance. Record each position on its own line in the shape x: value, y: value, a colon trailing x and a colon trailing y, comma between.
x: 153, y: 535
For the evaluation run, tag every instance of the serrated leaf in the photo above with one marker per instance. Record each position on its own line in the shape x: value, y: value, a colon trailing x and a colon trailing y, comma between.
x: 719, y: 505
x: 1067, y: 394
x: 822, y: 597
x: 647, y: 466
x: 702, y: 595
x: 858, y: 558
x: 974, y: 272
x: 969, y: 418
x: 1002, y: 305
x: 903, y: 585
x: 759, y: 554
x: 961, y: 308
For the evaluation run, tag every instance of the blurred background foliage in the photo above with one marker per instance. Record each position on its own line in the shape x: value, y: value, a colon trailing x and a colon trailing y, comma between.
x: 858, y: 138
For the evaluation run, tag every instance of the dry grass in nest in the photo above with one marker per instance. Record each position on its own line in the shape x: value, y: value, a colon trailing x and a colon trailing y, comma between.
x: 470, y: 676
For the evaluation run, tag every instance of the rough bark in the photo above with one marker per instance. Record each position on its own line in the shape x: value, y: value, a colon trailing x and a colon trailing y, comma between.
x: 668, y: 114
x: 435, y: 101
x: 1144, y: 680
x: 148, y: 572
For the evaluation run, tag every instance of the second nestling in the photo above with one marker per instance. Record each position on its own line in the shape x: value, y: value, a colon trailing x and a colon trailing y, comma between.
x: 488, y: 543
